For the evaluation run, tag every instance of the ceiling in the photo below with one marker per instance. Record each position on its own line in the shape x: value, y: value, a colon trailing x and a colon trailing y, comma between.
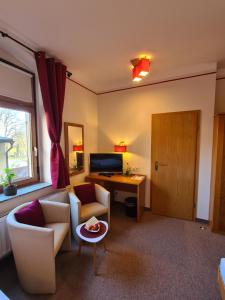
x: 97, y: 38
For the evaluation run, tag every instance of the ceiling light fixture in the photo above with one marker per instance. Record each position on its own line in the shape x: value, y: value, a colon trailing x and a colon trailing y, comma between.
x: 141, y: 67
x: 144, y: 66
x: 135, y: 75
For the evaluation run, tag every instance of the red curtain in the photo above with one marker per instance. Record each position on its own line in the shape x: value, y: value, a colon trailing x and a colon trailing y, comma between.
x: 52, y: 78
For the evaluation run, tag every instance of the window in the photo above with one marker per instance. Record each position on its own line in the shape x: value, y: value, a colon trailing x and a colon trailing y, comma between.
x: 17, y: 141
x: 18, y: 138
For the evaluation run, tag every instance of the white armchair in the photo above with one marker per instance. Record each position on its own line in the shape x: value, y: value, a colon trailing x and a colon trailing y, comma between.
x: 34, y: 248
x: 81, y: 213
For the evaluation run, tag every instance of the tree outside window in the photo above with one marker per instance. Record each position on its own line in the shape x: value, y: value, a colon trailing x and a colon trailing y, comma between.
x: 15, y: 142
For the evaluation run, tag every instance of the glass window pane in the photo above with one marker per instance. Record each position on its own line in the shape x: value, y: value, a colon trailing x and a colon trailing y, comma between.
x: 15, y: 142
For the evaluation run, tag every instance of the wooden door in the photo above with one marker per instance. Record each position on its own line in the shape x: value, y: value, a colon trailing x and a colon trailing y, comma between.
x: 217, y: 211
x: 173, y: 163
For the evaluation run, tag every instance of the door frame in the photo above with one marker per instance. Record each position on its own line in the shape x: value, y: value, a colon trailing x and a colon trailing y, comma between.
x: 196, y: 172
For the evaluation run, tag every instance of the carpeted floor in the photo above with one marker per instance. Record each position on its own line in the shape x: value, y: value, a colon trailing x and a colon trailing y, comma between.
x: 159, y: 258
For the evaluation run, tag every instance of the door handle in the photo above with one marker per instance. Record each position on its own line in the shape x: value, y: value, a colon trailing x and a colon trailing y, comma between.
x: 158, y: 164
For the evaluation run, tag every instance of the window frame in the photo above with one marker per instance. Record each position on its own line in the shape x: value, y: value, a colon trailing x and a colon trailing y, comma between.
x: 30, y: 107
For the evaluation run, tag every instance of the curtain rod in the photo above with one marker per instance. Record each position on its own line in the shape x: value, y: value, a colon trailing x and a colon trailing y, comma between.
x: 6, y: 35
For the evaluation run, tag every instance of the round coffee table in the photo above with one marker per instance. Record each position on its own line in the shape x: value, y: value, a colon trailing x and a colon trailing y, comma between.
x: 92, y: 238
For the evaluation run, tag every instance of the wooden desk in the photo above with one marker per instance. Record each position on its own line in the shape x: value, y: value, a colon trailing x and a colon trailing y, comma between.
x: 122, y: 183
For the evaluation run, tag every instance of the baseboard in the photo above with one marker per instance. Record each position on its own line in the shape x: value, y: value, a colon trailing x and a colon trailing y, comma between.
x: 202, y: 221
x: 196, y: 219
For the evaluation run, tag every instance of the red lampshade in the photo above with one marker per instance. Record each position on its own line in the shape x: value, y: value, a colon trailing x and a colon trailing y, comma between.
x: 120, y: 148
x: 143, y: 67
x: 135, y: 74
x: 77, y: 147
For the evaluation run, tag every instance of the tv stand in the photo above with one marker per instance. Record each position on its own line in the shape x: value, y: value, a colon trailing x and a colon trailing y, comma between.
x: 122, y: 183
x: 107, y: 174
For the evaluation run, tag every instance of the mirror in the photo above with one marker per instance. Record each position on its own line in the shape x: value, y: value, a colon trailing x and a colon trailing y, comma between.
x: 74, y: 148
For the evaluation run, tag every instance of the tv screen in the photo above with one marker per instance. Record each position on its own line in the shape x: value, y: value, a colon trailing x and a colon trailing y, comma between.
x: 106, y: 162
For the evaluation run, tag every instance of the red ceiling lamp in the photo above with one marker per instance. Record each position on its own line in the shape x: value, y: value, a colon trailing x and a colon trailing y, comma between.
x: 120, y: 148
x: 135, y: 75
x: 141, y: 68
x: 77, y: 148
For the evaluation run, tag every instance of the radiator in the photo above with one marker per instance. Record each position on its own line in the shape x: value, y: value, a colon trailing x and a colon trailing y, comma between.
x: 5, y: 247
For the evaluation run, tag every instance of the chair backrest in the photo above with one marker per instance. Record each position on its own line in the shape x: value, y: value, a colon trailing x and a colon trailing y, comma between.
x: 81, y: 183
x: 61, y: 196
x: 11, y: 220
x: 78, y: 184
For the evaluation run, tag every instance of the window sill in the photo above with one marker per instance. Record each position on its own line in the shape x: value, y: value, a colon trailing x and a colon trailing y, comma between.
x: 25, y: 190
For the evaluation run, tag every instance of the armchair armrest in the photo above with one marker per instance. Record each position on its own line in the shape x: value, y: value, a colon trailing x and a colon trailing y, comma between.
x: 74, y: 199
x: 75, y: 206
x: 26, y: 229
x: 28, y: 238
x: 102, y: 195
x: 55, y: 212
x: 33, y: 250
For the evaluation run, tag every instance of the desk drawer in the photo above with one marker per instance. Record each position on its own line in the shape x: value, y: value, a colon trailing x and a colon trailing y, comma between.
x: 110, y: 186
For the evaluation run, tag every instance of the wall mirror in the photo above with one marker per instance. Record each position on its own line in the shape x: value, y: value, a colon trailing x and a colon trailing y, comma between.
x: 74, y: 147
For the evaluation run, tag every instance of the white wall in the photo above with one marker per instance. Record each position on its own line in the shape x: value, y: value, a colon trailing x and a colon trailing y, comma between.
x: 81, y: 107
x: 220, y: 96
x: 126, y: 115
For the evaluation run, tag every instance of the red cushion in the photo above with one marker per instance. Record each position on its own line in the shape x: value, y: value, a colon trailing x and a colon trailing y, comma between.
x: 85, y: 193
x: 31, y: 214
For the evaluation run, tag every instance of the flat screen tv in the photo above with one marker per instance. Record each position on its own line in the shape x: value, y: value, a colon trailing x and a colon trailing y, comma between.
x: 106, y: 163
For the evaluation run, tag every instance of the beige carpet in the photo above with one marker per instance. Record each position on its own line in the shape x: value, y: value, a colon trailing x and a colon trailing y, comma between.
x: 159, y: 258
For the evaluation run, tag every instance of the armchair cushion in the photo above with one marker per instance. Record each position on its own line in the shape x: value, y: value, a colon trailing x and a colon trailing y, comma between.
x: 92, y: 209
x: 60, y: 230
x: 31, y: 214
x: 85, y: 193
